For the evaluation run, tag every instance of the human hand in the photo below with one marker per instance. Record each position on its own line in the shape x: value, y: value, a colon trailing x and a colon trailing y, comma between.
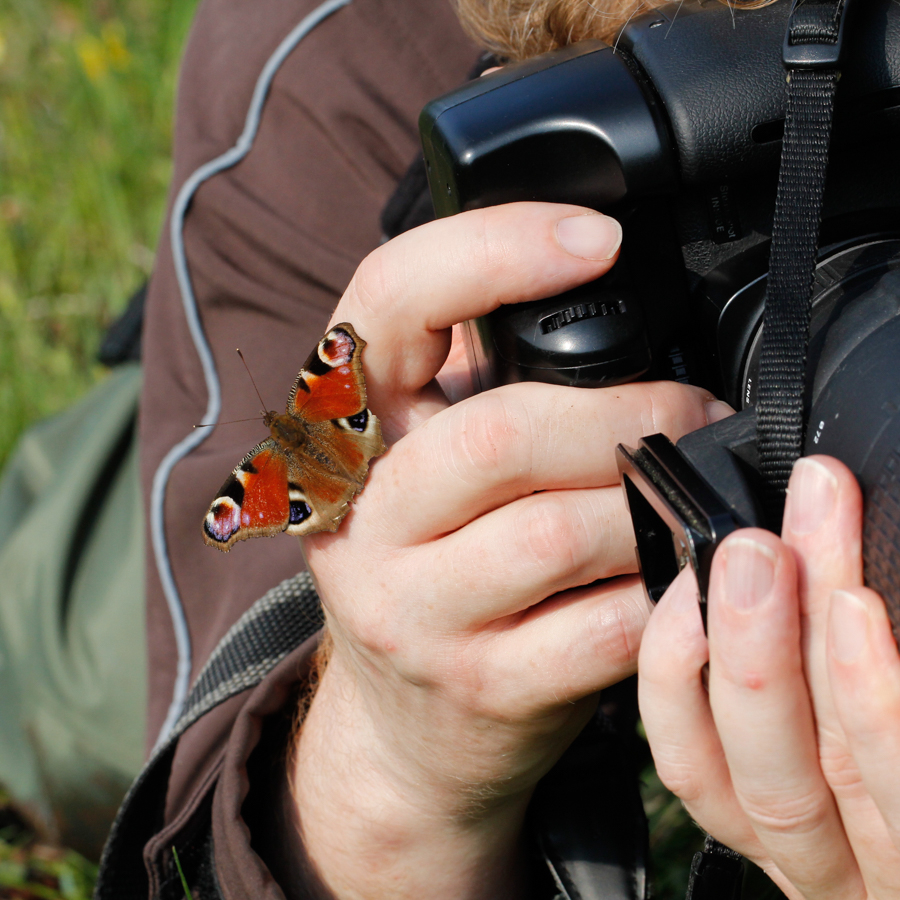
x: 454, y: 682
x: 791, y: 756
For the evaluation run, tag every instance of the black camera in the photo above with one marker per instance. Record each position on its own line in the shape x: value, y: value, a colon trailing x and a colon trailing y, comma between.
x: 676, y: 131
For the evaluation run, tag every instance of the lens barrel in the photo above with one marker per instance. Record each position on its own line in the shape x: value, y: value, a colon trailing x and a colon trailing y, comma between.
x: 857, y: 420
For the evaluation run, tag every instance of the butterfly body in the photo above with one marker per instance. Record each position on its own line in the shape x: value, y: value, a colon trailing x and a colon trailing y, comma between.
x: 302, y: 478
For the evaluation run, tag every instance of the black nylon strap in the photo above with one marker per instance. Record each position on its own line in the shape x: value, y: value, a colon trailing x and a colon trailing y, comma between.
x: 792, y: 260
x: 798, y: 211
x: 816, y: 22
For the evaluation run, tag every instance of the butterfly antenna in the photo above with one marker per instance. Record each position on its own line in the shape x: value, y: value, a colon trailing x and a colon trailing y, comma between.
x: 255, y: 388
x: 232, y: 422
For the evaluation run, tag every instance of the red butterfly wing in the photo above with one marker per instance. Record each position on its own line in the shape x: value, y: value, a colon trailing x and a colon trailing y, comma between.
x: 331, y: 384
x: 253, y: 501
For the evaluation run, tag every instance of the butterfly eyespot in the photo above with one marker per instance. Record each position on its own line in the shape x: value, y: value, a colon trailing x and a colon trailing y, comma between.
x: 359, y: 421
x: 300, y: 511
x: 337, y: 349
x: 223, y: 520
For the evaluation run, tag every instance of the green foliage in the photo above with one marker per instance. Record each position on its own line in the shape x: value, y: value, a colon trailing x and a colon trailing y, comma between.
x: 33, y: 871
x: 37, y: 872
x: 86, y: 95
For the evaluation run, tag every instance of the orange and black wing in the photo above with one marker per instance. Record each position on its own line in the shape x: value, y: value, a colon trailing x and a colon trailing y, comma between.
x: 254, y: 501
x: 331, y: 383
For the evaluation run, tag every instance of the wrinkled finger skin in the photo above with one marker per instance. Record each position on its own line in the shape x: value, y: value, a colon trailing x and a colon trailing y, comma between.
x: 791, y: 756
x: 470, y: 635
x: 483, y: 510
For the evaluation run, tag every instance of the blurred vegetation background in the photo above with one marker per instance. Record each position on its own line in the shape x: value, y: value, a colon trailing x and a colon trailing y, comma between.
x: 86, y: 98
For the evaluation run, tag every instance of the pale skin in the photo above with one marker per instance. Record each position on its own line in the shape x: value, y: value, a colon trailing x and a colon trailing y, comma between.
x: 791, y: 756
x: 467, y: 651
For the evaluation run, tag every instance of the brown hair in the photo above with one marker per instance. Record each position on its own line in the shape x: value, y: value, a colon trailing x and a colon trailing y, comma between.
x: 518, y: 29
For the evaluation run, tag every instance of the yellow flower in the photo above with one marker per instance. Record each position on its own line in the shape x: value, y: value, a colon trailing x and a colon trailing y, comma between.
x: 99, y: 55
x: 92, y: 54
x: 117, y: 55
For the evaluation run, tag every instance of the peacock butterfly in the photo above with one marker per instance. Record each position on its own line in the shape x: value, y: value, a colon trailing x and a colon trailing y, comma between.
x: 301, y: 479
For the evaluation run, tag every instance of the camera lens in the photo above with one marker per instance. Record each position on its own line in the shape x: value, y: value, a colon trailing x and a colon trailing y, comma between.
x: 857, y: 419
x: 847, y: 304
x: 854, y: 394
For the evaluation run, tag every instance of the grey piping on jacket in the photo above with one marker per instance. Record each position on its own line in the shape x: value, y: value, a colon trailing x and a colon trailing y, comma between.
x: 214, y: 404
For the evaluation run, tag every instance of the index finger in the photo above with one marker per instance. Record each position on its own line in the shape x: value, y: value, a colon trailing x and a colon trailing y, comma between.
x: 406, y: 295
x: 505, y: 444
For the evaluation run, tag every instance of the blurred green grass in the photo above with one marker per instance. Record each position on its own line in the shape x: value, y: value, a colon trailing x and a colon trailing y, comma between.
x: 86, y: 96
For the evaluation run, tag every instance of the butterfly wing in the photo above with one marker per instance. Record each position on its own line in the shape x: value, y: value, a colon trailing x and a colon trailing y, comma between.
x: 333, y: 469
x: 254, y: 501
x: 331, y: 383
x: 329, y: 396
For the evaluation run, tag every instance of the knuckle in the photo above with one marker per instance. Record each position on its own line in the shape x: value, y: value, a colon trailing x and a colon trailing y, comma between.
x: 375, y: 282
x: 489, y: 438
x: 551, y: 534
x: 679, y: 775
x: 780, y: 813
x: 614, y: 630
x: 673, y: 409
x: 841, y: 771
x: 369, y: 628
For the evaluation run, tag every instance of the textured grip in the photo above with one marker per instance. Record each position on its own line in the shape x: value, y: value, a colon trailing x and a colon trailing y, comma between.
x: 881, y: 538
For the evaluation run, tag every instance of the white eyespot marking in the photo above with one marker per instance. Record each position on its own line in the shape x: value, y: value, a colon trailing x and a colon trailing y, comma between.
x: 223, y: 520
x: 337, y: 348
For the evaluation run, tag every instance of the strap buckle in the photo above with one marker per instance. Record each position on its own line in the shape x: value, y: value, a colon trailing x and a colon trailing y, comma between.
x: 815, y: 34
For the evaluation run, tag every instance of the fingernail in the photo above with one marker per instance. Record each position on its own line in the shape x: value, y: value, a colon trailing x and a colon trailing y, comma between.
x: 849, y: 626
x: 716, y: 410
x: 811, y: 494
x: 749, y: 573
x: 590, y: 236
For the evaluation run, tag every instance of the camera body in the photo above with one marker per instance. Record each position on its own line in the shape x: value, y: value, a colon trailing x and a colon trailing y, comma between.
x: 676, y: 132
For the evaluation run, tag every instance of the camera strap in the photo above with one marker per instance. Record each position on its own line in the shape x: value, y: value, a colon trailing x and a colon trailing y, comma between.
x: 812, y: 54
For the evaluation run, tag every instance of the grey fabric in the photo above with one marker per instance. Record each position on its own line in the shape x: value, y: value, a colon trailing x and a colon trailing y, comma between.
x: 72, y: 634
